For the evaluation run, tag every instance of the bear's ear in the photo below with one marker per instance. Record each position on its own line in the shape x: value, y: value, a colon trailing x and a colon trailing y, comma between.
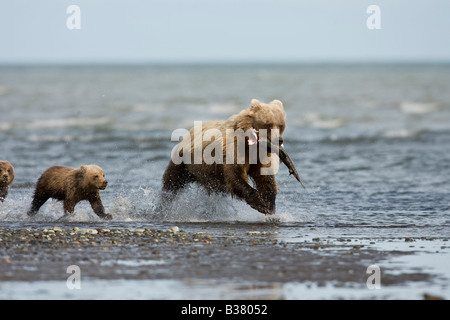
x: 255, y: 105
x: 277, y: 102
x: 83, y: 168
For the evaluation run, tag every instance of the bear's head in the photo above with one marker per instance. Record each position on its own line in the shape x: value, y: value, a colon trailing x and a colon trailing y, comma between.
x: 6, y: 173
x: 268, y: 120
x: 268, y: 116
x: 94, y: 177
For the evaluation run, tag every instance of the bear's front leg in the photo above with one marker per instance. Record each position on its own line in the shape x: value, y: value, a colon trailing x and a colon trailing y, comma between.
x: 267, y: 188
x: 97, y: 206
x: 3, y: 193
x: 69, y: 206
x: 237, y: 185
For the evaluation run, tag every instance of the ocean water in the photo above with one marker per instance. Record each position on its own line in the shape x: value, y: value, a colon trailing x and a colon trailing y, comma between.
x: 371, y: 142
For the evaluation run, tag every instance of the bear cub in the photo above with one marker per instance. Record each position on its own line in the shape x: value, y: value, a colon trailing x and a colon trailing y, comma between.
x: 71, y: 186
x: 6, y: 178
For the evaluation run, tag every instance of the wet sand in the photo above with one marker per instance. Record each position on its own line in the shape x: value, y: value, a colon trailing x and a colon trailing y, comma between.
x: 251, y: 255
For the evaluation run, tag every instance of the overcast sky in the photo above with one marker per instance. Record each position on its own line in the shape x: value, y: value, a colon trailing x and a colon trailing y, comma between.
x: 35, y: 31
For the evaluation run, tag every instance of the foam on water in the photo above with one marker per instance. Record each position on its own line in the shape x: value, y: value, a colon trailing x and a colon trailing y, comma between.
x: 323, y: 121
x: 419, y: 108
x: 69, y: 122
x: 401, y: 133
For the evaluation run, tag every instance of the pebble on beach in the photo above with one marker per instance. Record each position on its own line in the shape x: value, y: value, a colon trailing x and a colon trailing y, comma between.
x: 58, y: 236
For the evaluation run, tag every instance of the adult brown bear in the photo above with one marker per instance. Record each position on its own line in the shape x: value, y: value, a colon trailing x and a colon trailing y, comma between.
x: 221, y: 156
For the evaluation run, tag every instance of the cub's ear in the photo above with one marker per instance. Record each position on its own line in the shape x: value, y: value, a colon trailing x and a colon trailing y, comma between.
x: 83, y: 168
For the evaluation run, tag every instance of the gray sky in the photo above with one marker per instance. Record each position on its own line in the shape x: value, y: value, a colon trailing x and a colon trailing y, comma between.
x: 223, y: 31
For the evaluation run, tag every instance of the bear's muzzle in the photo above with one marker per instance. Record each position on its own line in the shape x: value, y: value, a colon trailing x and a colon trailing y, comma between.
x: 104, y: 185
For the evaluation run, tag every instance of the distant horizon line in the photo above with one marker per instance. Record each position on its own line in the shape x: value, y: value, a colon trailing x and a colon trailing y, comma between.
x: 221, y: 62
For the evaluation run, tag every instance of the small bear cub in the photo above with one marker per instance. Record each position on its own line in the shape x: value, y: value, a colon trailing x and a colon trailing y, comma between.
x: 71, y: 186
x: 6, y: 178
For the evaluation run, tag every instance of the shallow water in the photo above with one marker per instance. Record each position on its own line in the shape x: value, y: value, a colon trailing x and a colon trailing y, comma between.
x: 204, y: 290
x: 371, y: 143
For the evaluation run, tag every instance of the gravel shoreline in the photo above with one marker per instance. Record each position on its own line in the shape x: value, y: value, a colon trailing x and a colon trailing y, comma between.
x: 143, y: 254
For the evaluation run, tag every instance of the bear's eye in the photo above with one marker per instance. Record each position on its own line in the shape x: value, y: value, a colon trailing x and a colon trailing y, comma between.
x: 96, y: 177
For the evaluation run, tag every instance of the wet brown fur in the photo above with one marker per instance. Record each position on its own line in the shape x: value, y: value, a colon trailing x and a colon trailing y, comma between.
x: 6, y: 178
x: 71, y: 186
x: 231, y: 178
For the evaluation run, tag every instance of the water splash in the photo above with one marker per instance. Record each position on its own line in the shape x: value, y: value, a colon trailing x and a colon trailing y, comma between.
x: 139, y: 205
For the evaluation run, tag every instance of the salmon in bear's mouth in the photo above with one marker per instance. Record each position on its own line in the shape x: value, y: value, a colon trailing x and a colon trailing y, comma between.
x: 284, y: 157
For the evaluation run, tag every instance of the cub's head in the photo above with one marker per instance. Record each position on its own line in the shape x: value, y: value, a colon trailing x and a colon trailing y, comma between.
x: 94, y: 176
x: 269, y: 117
x: 6, y: 173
